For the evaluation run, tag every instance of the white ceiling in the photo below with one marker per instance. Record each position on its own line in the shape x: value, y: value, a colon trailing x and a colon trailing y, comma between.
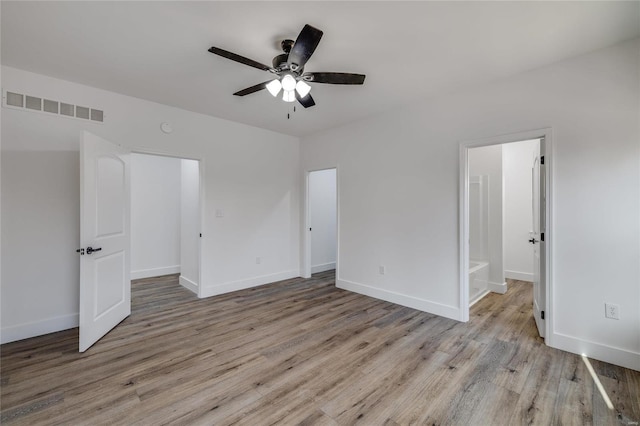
x: 408, y: 50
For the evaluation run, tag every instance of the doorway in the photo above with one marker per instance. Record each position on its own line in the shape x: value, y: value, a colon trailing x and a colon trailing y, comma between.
x: 321, y: 245
x: 165, y: 218
x: 498, y: 239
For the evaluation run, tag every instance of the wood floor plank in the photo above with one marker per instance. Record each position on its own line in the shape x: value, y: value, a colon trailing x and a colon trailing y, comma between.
x: 305, y: 352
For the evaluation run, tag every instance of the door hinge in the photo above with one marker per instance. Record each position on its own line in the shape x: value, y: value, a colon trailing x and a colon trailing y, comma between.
x: 542, y: 236
x: 309, y: 229
x: 81, y: 251
x: 201, y: 235
x: 542, y: 314
x: 542, y: 160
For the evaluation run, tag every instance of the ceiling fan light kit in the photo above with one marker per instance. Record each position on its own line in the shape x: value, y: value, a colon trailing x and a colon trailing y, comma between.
x: 289, y: 69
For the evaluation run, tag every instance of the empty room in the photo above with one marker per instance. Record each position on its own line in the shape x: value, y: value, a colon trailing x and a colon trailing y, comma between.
x: 320, y: 212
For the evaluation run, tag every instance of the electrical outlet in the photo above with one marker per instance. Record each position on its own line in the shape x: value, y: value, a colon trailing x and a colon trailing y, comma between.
x: 258, y: 260
x: 382, y: 270
x: 612, y: 311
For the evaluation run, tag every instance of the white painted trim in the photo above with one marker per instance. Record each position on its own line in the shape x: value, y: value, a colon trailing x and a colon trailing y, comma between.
x: 202, y: 209
x: 497, y: 287
x: 610, y: 354
x: 155, y: 272
x: 520, y: 276
x: 480, y: 296
x: 162, y: 154
x: 400, y: 299
x: 228, y: 287
x: 188, y: 284
x: 323, y: 267
x: 38, y: 328
x: 463, y: 225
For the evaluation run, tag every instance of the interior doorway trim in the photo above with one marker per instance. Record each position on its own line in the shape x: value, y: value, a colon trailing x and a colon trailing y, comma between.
x: 201, y: 195
x: 306, y: 233
x: 463, y: 215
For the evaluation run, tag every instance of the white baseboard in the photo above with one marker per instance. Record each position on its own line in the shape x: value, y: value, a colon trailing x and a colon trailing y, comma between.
x: 208, y: 291
x: 401, y: 299
x: 478, y: 297
x: 520, y: 276
x: 323, y: 267
x: 188, y: 284
x: 497, y: 288
x: 610, y: 354
x: 38, y: 328
x: 155, y: 272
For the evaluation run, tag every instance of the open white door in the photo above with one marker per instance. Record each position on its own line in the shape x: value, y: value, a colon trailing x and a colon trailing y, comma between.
x: 105, y: 286
x: 537, y: 239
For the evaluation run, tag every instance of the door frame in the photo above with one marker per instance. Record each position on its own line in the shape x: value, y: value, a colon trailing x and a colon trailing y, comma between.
x: 463, y: 215
x: 306, y: 235
x: 201, y: 201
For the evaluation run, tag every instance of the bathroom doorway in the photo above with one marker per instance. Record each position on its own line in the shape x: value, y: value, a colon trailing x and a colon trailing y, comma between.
x: 505, y: 184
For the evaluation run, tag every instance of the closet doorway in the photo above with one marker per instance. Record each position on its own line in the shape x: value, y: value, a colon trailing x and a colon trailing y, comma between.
x: 166, y: 218
x: 321, y: 230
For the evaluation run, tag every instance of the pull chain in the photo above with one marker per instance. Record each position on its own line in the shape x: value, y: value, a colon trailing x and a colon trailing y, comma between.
x: 289, y: 111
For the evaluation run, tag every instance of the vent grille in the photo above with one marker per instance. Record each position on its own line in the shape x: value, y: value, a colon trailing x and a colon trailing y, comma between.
x: 48, y: 106
x: 82, y: 112
x: 34, y: 103
x: 15, y: 99
x: 66, y: 109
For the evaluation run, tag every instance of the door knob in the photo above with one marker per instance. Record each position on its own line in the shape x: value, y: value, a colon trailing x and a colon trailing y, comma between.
x: 91, y: 249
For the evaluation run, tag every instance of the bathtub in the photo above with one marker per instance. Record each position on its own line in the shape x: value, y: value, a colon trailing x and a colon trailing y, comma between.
x: 478, y: 280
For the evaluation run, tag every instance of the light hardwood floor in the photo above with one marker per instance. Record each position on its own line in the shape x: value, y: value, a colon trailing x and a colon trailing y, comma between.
x: 304, y: 352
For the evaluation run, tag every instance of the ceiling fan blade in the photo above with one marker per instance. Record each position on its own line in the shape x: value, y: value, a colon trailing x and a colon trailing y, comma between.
x: 334, y: 77
x: 252, y: 89
x: 304, y: 47
x: 307, y: 101
x: 238, y: 58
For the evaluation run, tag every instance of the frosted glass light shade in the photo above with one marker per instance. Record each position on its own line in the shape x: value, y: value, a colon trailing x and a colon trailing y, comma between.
x: 274, y: 87
x: 288, y: 83
x: 288, y: 96
x: 303, y: 88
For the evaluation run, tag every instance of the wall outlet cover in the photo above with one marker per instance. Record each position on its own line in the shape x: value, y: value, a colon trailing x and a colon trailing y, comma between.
x: 612, y: 311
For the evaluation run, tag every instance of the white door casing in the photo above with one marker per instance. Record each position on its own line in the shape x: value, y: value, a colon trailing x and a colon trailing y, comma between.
x: 105, y: 286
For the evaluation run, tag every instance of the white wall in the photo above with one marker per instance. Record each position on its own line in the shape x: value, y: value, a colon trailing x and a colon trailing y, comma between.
x: 322, y: 207
x: 40, y: 233
x: 518, y: 252
x: 251, y: 174
x: 155, y: 215
x: 190, y: 224
x: 399, y: 194
x: 487, y: 161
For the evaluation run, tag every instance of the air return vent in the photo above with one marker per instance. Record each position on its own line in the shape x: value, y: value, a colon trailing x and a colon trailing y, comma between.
x: 49, y: 106
x: 34, y: 103
x: 66, y: 109
x: 14, y: 99
x: 82, y: 112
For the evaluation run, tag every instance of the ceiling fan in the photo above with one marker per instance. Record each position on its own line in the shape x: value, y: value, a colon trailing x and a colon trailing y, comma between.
x: 289, y: 69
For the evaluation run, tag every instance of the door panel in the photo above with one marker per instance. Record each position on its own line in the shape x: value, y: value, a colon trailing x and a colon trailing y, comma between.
x: 105, y: 286
x: 538, y: 226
